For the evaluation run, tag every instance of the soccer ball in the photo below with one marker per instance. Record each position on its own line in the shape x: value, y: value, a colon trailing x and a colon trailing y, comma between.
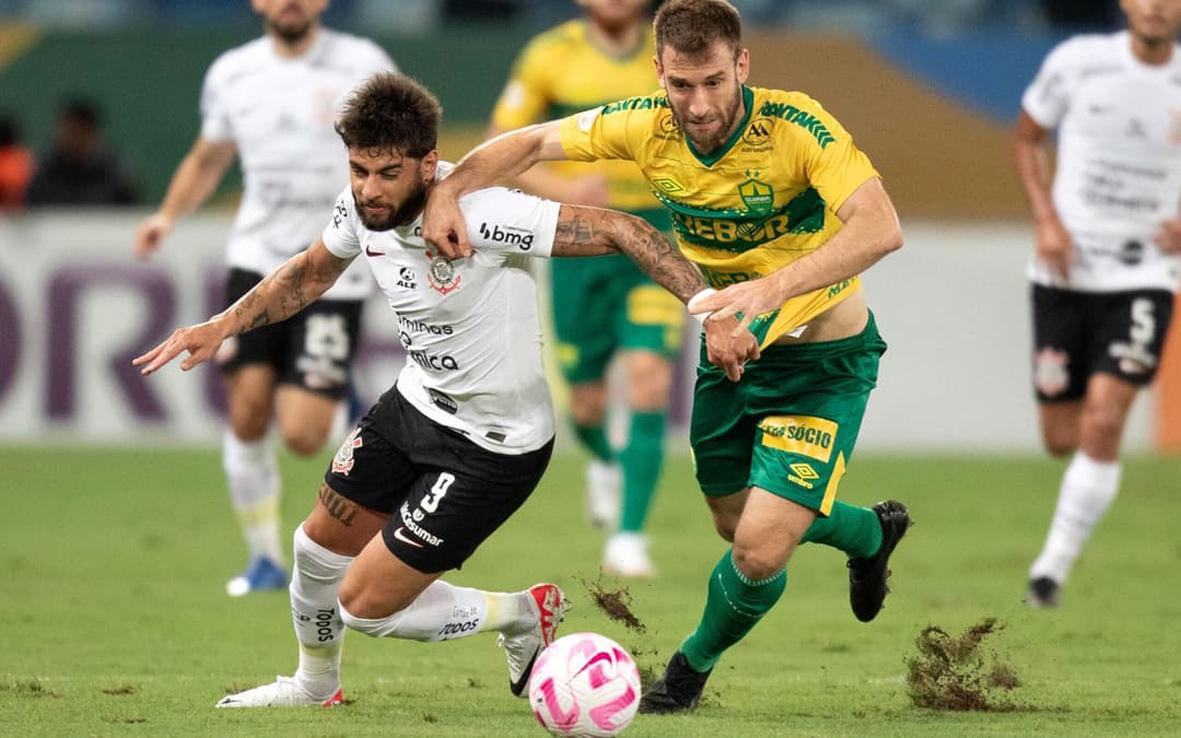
x: 584, y: 685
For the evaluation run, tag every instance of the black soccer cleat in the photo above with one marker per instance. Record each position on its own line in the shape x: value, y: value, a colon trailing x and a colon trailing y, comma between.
x: 679, y: 690
x: 867, y: 577
x: 1043, y: 592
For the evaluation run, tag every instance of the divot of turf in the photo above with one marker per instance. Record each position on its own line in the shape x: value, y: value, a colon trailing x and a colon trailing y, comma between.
x: 122, y: 689
x: 615, y: 604
x: 29, y: 688
x: 954, y: 673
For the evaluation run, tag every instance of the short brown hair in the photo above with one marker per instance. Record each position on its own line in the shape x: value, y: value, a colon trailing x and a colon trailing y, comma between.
x: 391, y: 111
x: 692, y: 26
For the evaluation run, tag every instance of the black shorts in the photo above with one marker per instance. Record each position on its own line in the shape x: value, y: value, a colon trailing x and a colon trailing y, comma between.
x: 446, y: 494
x: 1077, y: 334
x: 313, y: 349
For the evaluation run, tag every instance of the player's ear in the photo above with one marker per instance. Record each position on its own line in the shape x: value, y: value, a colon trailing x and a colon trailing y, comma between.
x: 428, y: 164
x: 742, y: 65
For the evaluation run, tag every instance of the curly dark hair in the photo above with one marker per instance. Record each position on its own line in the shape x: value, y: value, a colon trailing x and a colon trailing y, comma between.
x: 391, y: 111
x: 692, y: 26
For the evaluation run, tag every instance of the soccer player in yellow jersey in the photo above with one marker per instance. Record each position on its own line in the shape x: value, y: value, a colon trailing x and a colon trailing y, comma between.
x: 605, y: 305
x: 770, y: 196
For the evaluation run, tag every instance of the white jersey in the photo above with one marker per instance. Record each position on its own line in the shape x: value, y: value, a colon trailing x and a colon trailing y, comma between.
x: 470, y: 326
x: 1119, y: 160
x: 279, y: 114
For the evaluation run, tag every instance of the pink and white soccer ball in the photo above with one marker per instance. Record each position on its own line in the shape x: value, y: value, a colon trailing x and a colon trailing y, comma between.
x: 584, y: 686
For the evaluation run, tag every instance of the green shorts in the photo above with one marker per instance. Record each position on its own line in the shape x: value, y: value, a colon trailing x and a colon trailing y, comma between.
x: 606, y: 304
x: 790, y: 425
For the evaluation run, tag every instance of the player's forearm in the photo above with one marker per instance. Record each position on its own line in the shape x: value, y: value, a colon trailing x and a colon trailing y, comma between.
x: 860, y: 244
x: 505, y: 157
x: 655, y: 256
x: 193, y: 182
x: 281, y: 294
x: 1033, y: 168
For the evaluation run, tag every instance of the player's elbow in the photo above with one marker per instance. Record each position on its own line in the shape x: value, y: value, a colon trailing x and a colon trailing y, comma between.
x: 889, y: 233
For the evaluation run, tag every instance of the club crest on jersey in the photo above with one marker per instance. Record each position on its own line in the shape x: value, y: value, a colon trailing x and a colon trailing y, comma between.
x: 343, y: 462
x: 758, y: 196
x: 441, y: 275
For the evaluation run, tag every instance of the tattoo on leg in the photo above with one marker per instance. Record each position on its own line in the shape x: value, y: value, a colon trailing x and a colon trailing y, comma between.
x: 337, y: 506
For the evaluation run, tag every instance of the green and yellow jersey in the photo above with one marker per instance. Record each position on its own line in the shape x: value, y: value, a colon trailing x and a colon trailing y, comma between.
x: 768, y: 196
x: 562, y: 72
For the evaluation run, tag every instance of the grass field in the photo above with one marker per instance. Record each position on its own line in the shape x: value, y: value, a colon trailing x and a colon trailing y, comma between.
x: 112, y: 565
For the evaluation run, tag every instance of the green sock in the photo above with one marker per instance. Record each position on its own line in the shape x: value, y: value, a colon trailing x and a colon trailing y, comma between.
x: 854, y: 530
x: 594, y: 439
x: 641, y: 460
x: 735, y: 603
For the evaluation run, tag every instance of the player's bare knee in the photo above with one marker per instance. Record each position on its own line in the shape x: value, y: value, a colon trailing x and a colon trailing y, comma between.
x: 304, y: 441
x: 249, y: 422
x: 757, y: 561
x: 1059, y: 446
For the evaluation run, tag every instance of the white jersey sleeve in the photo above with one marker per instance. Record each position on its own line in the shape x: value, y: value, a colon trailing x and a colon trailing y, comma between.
x: 510, y: 221
x: 340, y: 235
x: 216, y: 123
x: 1047, y: 98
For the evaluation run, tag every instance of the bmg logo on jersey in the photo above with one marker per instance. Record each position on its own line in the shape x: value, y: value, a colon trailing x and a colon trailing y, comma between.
x: 522, y: 238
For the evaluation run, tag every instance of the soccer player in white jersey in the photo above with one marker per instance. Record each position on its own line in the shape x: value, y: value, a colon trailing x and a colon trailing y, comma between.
x: 272, y: 102
x: 461, y: 440
x: 1105, y: 265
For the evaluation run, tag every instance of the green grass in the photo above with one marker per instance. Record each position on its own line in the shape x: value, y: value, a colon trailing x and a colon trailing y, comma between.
x: 112, y: 565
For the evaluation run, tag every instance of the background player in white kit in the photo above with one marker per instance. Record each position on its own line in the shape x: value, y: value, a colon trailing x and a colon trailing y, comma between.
x: 1105, y: 265
x: 272, y: 101
x: 459, y: 443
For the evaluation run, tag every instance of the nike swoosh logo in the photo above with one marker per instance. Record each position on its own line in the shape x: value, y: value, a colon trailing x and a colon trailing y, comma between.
x: 370, y: 252
x: 518, y: 686
x: 401, y: 537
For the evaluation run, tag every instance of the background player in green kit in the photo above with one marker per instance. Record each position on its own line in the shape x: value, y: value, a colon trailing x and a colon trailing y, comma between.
x: 606, y: 305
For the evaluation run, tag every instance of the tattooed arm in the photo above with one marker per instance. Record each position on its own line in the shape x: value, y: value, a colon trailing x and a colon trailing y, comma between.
x: 587, y: 231
x: 283, y: 293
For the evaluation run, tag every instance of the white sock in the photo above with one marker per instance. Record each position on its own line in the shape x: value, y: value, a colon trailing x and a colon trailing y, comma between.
x: 1088, y: 488
x: 443, y: 612
x: 253, y: 479
x: 315, y: 584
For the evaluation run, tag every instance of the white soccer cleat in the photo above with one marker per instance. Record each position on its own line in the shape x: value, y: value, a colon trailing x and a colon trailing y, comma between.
x: 549, y: 604
x: 626, y: 555
x: 283, y: 692
x: 603, y: 495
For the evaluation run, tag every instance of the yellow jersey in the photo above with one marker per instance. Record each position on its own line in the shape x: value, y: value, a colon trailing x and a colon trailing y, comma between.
x: 765, y: 198
x: 562, y: 72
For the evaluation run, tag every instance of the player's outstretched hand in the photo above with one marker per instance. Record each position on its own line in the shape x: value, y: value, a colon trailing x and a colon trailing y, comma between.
x: 1168, y: 238
x: 744, y: 301
x: 201, y: 341
x: 1054, y: 246
x: 443, y: 226
x: 151, y: 234
x: 729, y: 348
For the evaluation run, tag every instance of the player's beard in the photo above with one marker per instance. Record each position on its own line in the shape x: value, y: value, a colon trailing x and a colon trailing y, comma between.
x: 290, y: 33
x: 398, y: 216
x: 715, y: 141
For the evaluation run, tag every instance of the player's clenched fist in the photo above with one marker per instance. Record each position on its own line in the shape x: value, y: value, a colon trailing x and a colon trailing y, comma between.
x: 443, y: 225
x: 151, y: 234
x: 201, y: 341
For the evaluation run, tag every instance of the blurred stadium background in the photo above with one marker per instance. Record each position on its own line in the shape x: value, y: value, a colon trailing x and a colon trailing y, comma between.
x: 929, y: 88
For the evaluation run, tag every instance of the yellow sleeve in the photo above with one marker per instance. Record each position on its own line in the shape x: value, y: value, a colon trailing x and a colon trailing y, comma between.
x: 607, y: 132
x: 525, y: 99
x: 833, y: 163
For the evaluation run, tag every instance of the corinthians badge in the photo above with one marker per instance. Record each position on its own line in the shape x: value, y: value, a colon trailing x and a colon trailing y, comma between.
x: 441, y: 276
